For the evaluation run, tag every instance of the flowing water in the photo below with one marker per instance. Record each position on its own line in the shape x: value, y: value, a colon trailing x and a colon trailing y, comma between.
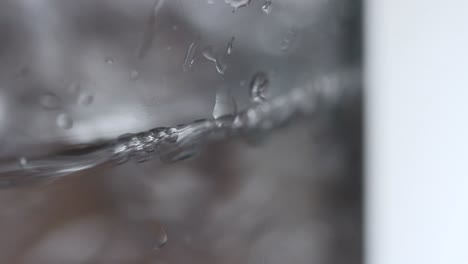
x: 208, y: 117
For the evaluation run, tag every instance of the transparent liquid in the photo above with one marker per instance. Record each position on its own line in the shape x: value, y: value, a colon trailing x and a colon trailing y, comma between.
x: 184, y: 105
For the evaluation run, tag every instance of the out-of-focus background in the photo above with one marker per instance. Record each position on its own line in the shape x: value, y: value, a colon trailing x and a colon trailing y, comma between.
x: 79, y: 72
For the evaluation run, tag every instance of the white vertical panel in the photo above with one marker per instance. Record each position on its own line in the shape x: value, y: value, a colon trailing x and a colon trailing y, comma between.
x: 417, y: 131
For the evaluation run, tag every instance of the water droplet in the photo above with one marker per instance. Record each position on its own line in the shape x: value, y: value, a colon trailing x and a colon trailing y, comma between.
x: 22, y: 162
x: 64, y: 121
x: 230, y: 46
x: 288, y: 40
x: 109, y: 60
x: 169, y: 48
x: 85, y: 99
x: 258, y: 87
x: 175, y: 27
x: 190, y: 56
x: 134, y: 74
x: 242, y: 83
x: 266, y: 8
x: 50, y: 101
x: 225, y: 104
x: 220, y: 66
x: 210, y: 2
x: 236, y: 4
x: 149, y: 32
x: 209, y: 54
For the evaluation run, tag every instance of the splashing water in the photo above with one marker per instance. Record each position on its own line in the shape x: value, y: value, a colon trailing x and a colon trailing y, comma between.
x: 171, y: 144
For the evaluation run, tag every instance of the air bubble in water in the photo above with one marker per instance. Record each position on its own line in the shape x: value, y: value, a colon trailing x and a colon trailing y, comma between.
x: 50, y: 101
x: 64, y: 121
x: 230, y: 46
x: 266, y: 8
x: 225, y: 104
x: 134, y: 74
x: 236, y: 4
x: 259, y: 87
x: 85, y: 99
x: 190, y: 56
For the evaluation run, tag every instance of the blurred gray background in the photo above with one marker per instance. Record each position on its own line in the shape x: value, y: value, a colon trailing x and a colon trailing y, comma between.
x: 113, y: 67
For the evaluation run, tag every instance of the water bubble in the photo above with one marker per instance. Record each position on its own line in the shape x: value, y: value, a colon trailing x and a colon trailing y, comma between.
x: 64, y: 121
x: 109, y: 60
x: 50, y: 101
x: 190, y: 56
x: 288, y: 40
x: 22, y: 162
x: 134, y: 74
x: 258, y: 87
x: 266, y: 8
x: 85, y: 99
x: 230, y: 46
x: 225, y: 104
x: 236, y: 4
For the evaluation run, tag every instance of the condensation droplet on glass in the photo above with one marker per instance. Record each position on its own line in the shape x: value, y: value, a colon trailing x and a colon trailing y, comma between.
x: 288, y: 40
x: 149, y: 33
x: 23, y: 162
x: 220, y: 66
x: 225, y: 104
x: 258, y: 87
x: 64, y: 121
x: 50, y: 101
x: 209, y: 54
x: 85, y: 99
x: 236, y: 4
x: 266, y: 8
x: 109, y: 60
x: 134, y: 74
x: 230, y: 46
x: 190, y: 56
